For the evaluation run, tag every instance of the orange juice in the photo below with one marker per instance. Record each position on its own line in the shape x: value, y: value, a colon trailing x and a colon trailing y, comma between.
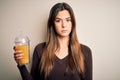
x: 25, y: 51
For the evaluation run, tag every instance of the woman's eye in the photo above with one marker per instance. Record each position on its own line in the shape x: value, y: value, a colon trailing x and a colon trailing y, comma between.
x: 57, y: 20
x: 68, y: 20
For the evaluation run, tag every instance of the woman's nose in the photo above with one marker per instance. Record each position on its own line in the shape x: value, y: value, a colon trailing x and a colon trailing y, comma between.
x: 63, y: 24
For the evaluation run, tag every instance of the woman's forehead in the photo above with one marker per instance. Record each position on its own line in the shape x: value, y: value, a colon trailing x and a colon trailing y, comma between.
x: 63, y: 14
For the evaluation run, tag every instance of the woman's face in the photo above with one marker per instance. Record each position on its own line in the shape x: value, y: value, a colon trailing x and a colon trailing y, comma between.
x: 63, y: 24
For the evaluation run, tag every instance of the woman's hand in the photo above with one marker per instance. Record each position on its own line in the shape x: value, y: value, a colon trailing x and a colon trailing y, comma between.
x: 17, y: 55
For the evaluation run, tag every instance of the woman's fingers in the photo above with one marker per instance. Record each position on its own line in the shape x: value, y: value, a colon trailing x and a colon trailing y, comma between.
x: 18, y: 55
x: 14, y: 48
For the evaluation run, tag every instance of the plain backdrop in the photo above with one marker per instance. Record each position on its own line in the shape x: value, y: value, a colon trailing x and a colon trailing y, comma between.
x: 98, y: 26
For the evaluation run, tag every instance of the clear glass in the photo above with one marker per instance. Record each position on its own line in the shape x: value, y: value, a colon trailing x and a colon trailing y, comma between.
x: 22, y: 43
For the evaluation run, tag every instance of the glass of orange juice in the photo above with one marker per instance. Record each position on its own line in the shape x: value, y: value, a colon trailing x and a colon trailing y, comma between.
x: 22, y: 44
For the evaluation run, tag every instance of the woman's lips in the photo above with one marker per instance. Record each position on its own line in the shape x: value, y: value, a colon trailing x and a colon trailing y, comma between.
x: 64, y: 30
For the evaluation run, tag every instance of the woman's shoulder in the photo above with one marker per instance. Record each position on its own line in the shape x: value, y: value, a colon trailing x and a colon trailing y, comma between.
x: 40, y: 45
x: 86, y: 51
x: 85, y: 48
x: 39, y: 49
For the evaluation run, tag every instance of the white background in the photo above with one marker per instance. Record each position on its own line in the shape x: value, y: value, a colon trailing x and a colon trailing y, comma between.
x: 98, y: 26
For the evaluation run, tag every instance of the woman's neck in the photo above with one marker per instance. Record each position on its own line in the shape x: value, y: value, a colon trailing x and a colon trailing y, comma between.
x: 63, y: 50
x: 63, y: 42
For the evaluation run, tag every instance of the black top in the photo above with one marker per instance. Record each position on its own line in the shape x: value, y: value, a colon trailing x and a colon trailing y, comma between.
x: 58, y: 71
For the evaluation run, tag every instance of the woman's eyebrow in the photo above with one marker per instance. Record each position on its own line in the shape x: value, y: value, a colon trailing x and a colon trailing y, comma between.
x: 61, y: 18
x: 68, y: 18
x: 57, y: 18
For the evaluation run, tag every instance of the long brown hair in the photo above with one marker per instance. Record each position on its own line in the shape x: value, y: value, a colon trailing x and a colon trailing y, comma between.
x: 76, y: 58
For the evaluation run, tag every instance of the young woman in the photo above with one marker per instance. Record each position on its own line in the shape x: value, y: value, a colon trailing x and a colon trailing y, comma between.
x: 61, y: 57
